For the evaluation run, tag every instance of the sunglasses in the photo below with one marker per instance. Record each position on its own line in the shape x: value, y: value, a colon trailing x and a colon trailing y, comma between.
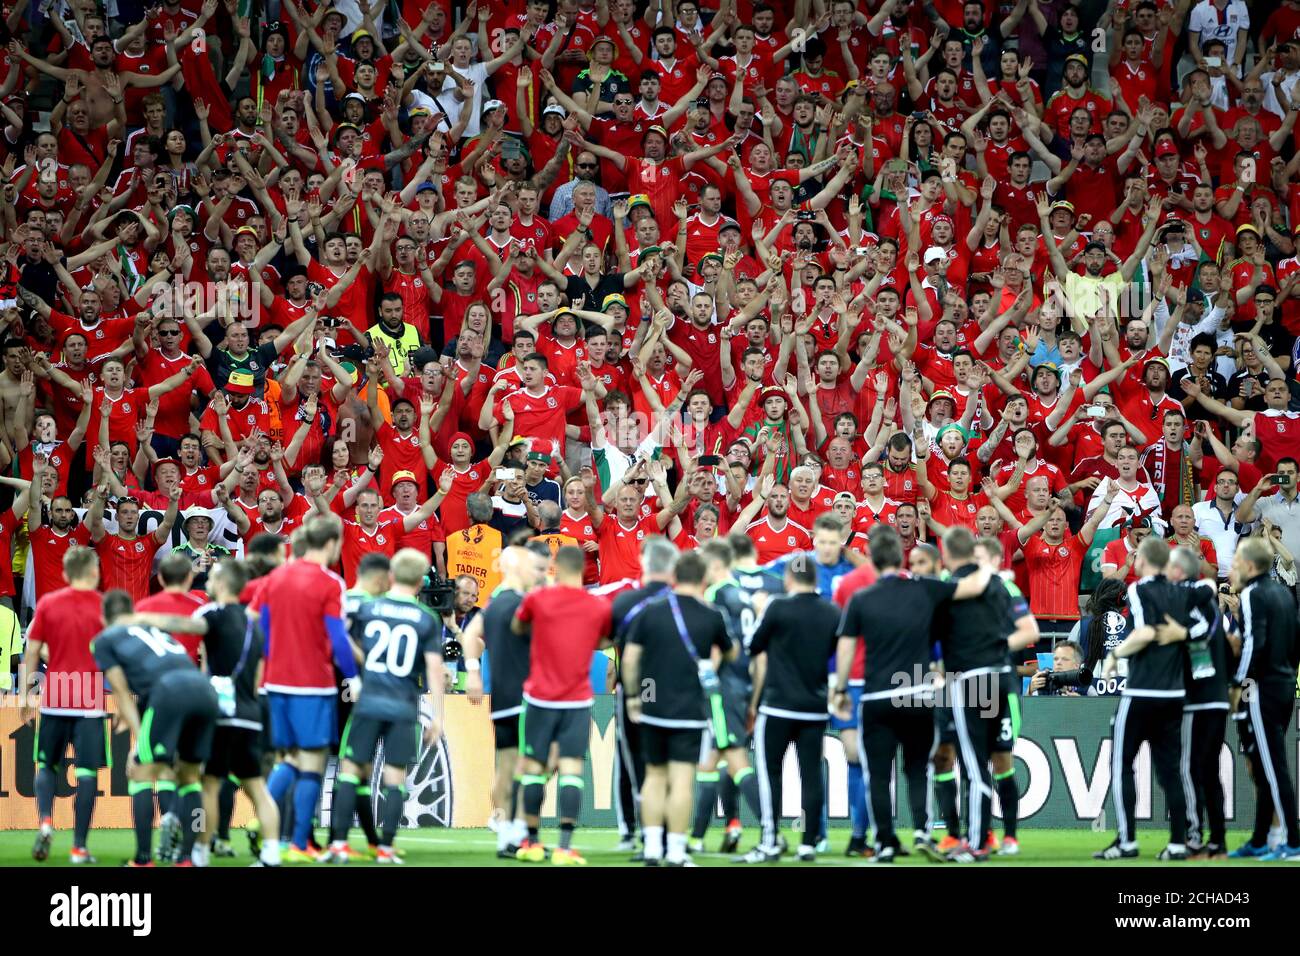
x: 586, y: 165
x: 640, y: 481
x: 169, y: 331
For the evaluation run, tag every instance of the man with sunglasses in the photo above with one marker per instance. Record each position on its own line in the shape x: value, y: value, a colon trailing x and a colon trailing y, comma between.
x: 156, y: 364
x: 585, y: 168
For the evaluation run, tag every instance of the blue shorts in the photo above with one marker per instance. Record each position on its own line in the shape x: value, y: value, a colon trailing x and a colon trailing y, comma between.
x: 855, y: 696
x: 302, y: 721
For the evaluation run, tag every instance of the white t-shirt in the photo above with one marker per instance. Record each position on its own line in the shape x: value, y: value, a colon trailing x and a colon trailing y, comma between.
x: 477, y: 74
x: 1214, y: 24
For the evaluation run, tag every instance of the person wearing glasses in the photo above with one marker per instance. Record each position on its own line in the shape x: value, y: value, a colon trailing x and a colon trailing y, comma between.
x: 156, y: 364
x: 585, y: 169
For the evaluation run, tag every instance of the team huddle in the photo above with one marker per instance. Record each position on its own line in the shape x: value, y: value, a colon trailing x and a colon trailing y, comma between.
x: 722, y: 666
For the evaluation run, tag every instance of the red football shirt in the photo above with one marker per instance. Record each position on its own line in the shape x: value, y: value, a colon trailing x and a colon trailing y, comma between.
x: 1279, y: 437
x: 620, y: 547
x: 294, y: 600
x: 1054, y: 571
x: 864, y: 575
x: 48, y: 548
x: 174, y: 602
x: 568, y: 625
x: 358, y: 542
x: 127, y: 563
x: 67, y: 621
x: 542, y: 416
x: 772, y: 543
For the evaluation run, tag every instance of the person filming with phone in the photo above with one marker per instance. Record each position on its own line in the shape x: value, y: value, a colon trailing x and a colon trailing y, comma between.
x: 1274, y: 500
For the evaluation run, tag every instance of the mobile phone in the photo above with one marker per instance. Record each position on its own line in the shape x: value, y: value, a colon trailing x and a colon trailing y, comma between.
x: 330, y: 321
x: 1096, y: 411
x: 1213, y: 61
x: 896, y: 166
x: 805, y: 215
x: 702, y: 103
x: 615, y: 197
x: 709, y: 461
x: 1280, y: 481
x: 505, y: 474
x: 918, y: 115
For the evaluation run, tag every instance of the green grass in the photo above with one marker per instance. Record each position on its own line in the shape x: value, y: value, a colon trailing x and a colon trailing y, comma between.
x: 438, y: 847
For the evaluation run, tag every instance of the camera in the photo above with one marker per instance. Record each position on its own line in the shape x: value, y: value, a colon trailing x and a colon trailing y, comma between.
x: 1059, y: 680
x: 440, y: 596
x: 353, y: 353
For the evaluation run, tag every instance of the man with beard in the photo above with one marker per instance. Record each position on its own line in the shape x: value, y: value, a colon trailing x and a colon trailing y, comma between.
x: 1075, y: 93
x: 103, y: 336
x: 774, y: 535
x: 236, y: 353
x: 367, y: 534
x: 1148, y: 404
x: 272, y: 517
x: 50, y: 543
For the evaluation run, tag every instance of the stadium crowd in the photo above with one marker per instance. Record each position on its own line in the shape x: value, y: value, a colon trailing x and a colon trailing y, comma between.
x: 599, y: 272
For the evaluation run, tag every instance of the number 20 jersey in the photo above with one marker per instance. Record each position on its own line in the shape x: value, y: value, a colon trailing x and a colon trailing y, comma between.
x: 394, y: 634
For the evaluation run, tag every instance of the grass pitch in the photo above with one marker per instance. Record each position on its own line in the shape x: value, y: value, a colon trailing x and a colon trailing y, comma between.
x: 477, y: 847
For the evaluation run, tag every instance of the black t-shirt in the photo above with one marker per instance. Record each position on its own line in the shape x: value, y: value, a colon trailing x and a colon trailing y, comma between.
x: 145, y: 655
x: 233, y: 647
x: 544, y: 490
x: 1218, y: 389
x: 974, y: 636
x: 508, y: 516
x: 258, y: 361
x: 394, y: 633
x: 893, y: 617
x: 627, y: 606
x: 798, y: 633
x: 677, y: 700
x: 610, y: 284
x: 1210, y: 692
x: 508, y: 653
x: 492, y: 356
x: 1157, y: 671
x: 1255, y: 403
